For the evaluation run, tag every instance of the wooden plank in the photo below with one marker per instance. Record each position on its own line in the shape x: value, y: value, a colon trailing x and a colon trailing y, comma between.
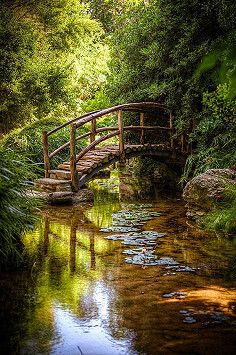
x: 97, y: 141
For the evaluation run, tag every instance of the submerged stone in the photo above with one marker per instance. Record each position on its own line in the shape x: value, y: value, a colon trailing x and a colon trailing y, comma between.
x: 189, y: 320
x: 172, y: 294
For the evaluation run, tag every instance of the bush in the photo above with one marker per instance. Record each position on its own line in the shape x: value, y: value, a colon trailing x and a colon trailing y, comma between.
x: 28, y: 140
x: 16, y: 208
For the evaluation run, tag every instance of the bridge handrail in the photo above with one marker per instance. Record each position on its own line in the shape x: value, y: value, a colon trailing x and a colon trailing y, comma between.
x: 103, y: 129
x: 123, y: 107
x: 69, y: 122
x: 91, y: 117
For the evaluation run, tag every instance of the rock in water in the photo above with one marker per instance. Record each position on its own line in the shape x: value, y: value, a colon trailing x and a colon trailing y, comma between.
x: 202, y: 192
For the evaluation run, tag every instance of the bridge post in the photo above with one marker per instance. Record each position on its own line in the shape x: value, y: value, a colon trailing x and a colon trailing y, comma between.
x: 172, y: 144
x: 45, y: 154
x: 142, y: 123
x: 121, y: 137
x: 74, y: 176
x: 93, y: 131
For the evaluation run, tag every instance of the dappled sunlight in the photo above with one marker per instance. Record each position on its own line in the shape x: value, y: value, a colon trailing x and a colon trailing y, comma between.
x: 209, y: 298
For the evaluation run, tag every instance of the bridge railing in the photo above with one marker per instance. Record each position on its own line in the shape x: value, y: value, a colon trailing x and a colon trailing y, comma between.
x: 115, y: 131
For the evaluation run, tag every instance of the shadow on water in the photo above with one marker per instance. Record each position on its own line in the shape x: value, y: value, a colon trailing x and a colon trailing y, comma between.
x: 79, y: 296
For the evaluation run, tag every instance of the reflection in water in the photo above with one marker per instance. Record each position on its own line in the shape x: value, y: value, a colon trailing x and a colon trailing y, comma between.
x: 80, y: 297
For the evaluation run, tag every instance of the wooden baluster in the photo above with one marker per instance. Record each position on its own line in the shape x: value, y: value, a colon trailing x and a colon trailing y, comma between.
x: 45, y: 154
x: 142, y: 123
x: 74, y: 176
x: 93, y: 131
x: 172, y: 145
x: 121, y: 137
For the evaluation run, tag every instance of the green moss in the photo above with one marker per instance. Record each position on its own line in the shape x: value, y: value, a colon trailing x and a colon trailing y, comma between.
x: 223, y: 218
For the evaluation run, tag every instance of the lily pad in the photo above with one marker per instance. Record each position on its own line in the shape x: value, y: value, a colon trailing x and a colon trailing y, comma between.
x: 119, y: 229
x: 135, y: 215
x: 139, y: 205
x: 144, y: 238
x: 148, y: 258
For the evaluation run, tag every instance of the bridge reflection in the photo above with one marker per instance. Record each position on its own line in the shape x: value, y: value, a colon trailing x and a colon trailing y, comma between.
x: 75, y: 219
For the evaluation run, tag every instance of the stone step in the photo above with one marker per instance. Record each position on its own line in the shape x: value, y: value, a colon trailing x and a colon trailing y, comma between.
x: 59, y: 174
x: 52, y: 185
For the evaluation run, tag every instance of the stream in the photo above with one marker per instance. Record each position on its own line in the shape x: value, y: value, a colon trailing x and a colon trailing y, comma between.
x: 123, y: 275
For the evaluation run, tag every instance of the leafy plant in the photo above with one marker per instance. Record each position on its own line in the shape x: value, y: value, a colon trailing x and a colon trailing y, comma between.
x: 215, y: 135
x: 16, y: 208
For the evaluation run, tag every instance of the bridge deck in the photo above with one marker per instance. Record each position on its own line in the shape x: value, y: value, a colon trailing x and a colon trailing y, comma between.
x: 101, y: 155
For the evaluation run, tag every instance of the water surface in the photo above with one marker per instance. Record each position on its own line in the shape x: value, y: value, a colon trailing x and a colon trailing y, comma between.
x: 79, y: 296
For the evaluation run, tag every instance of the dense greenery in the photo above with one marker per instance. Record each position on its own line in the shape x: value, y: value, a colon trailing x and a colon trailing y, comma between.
x: 54, y: 64
x: 215, y: 135
x: 158, y: 51
x: 28, y: 140
x: 51, y: 59
x: 16, y: 208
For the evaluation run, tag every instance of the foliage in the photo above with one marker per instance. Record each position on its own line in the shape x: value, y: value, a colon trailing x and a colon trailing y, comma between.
x: 109, y: 12
x: 220, y: 104
x: 145, y: 167
x: 222, y: 59
x: 223, y: 218
x: 98, y: 102
x: 52, y: 58
x: 29, y: 141
x: 215, y: 135
x: 16, y: 207
x: 158, y: 49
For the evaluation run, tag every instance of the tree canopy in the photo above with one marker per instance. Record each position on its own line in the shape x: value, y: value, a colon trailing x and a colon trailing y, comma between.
x: 52, y: 58
x: 158, y: 51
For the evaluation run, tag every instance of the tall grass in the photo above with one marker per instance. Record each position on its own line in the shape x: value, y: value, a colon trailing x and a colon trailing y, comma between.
x: 16, y: 208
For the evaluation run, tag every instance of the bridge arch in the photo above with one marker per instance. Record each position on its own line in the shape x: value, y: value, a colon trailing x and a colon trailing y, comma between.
x: 81, y: 166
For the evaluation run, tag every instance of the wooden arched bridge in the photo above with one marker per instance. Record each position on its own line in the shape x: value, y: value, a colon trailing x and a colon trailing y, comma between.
x: 82, y: 166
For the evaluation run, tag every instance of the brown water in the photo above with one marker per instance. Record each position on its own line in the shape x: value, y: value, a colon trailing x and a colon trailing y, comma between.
x: 79, y: 296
